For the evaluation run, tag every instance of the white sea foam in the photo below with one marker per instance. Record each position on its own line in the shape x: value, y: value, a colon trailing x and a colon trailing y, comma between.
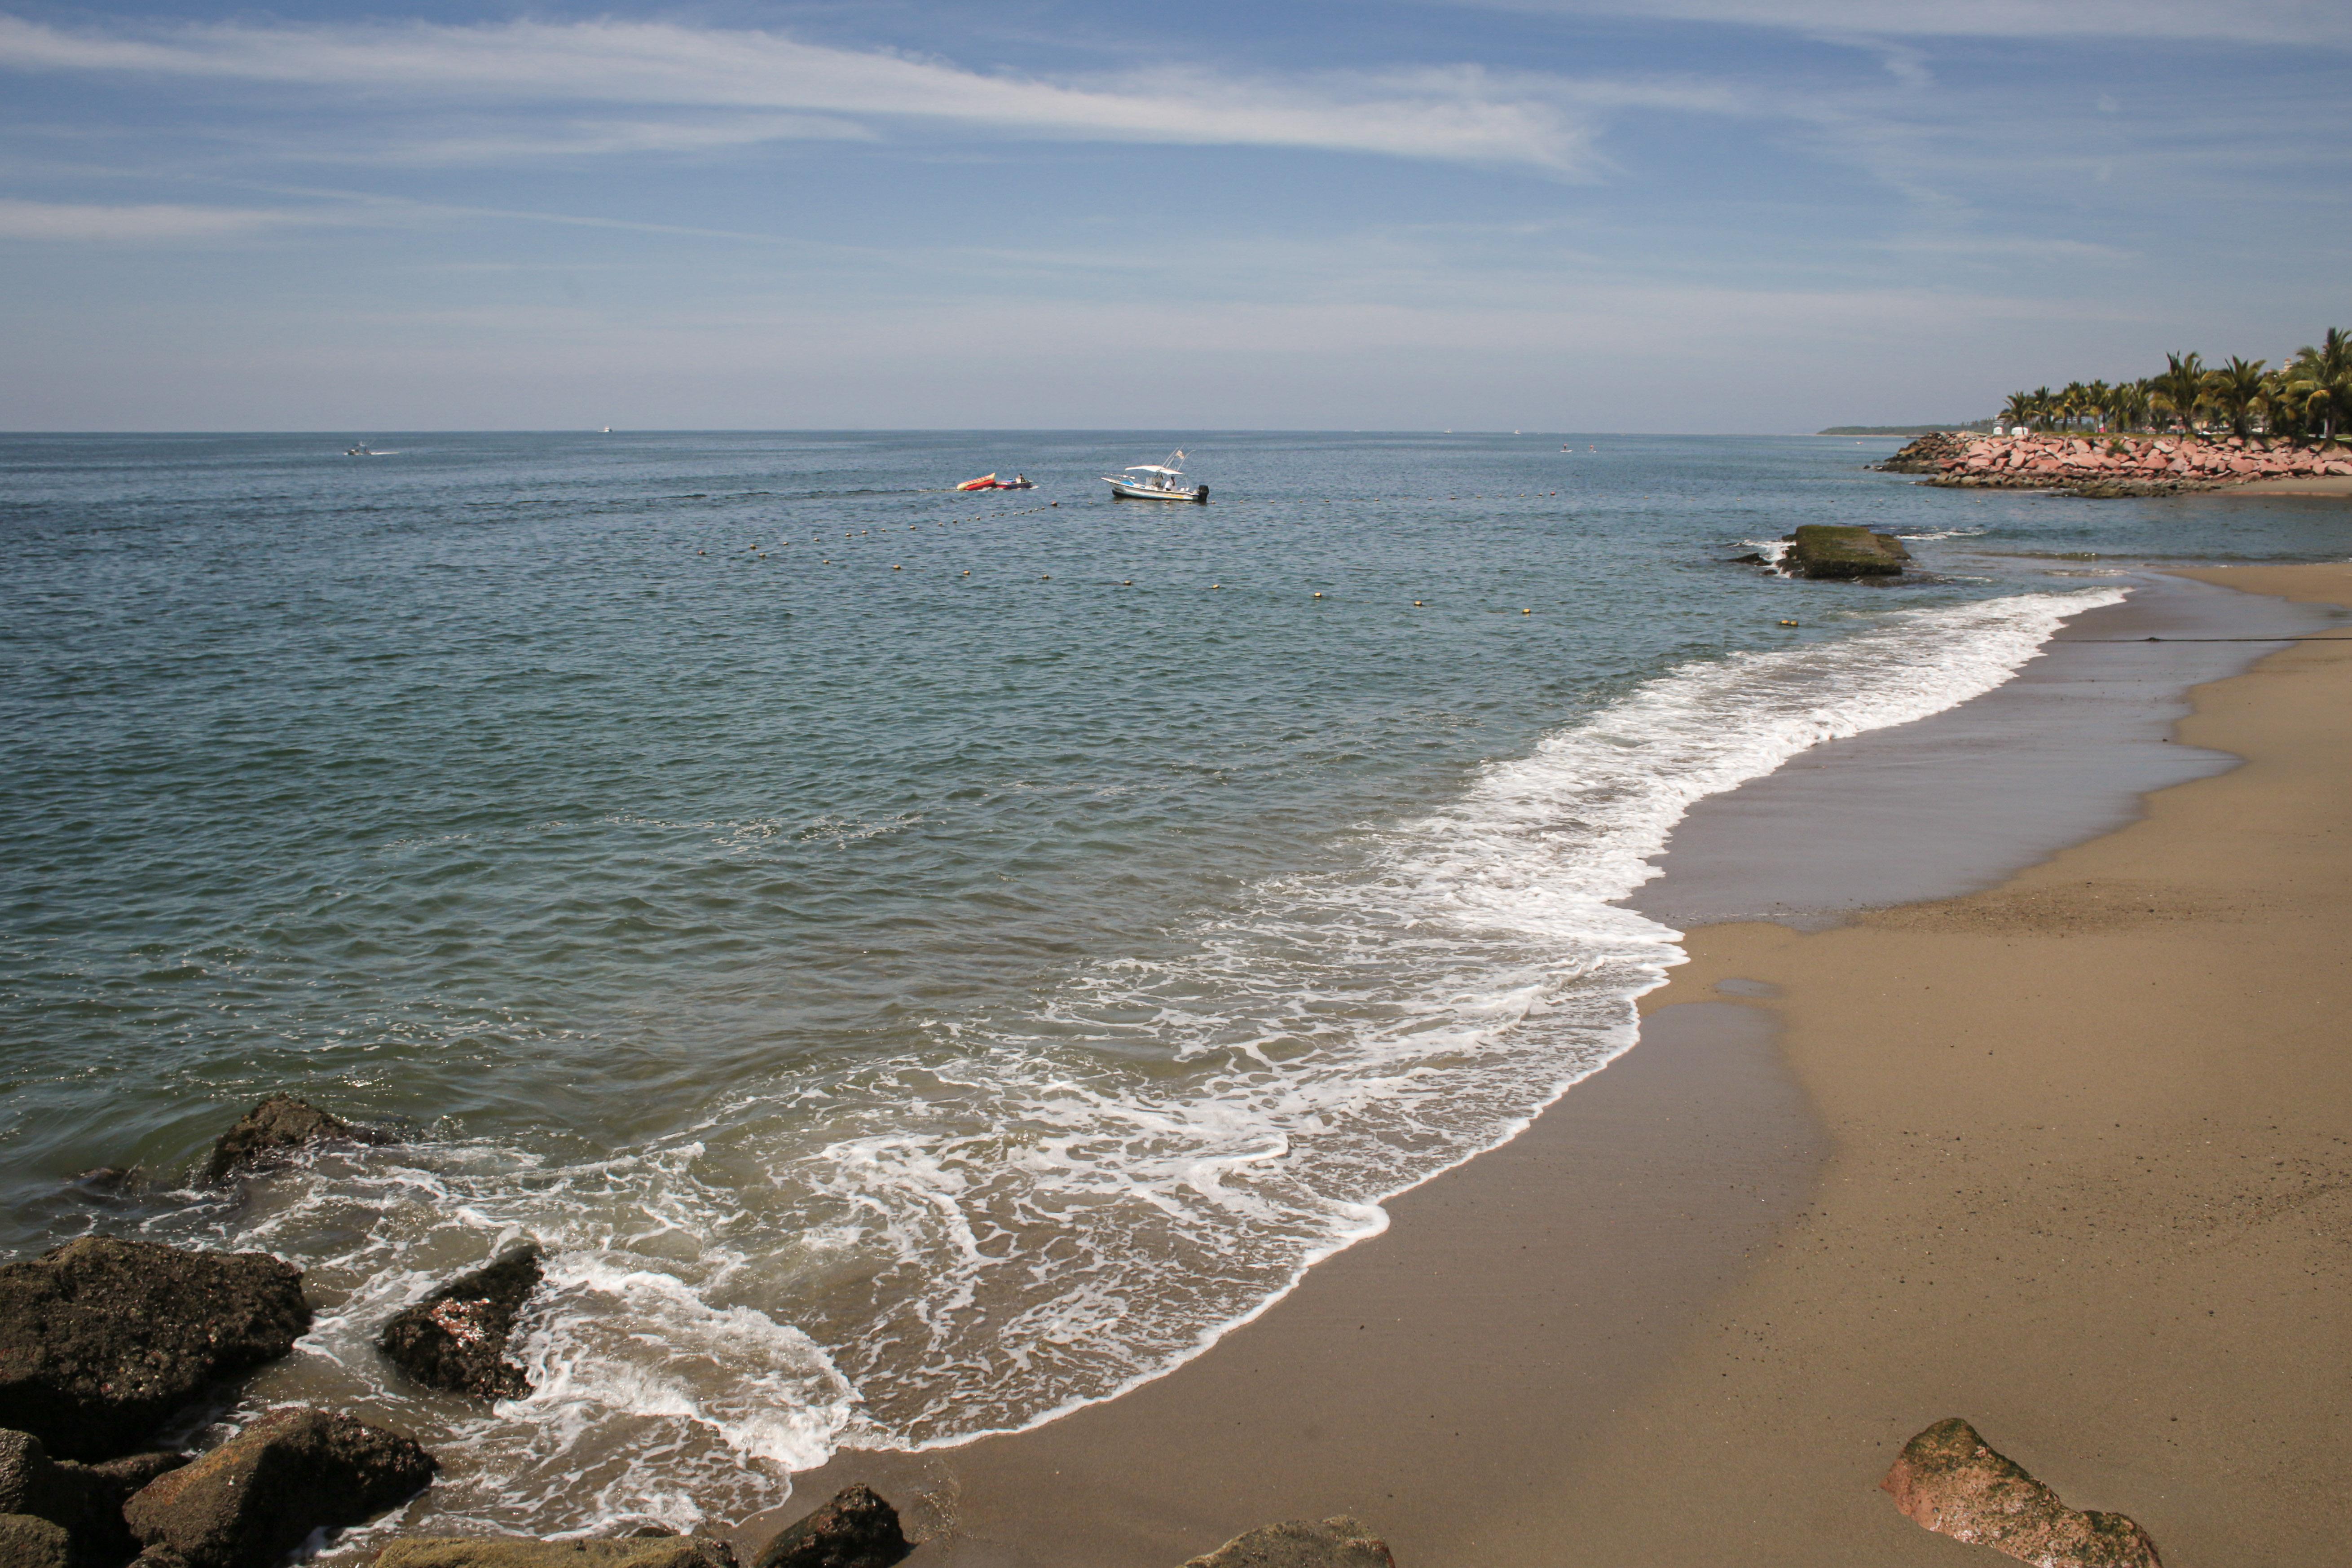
x: 1053, y: 1201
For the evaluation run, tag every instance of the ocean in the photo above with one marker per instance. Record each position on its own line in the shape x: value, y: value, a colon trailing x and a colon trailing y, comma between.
x: 917, y: 962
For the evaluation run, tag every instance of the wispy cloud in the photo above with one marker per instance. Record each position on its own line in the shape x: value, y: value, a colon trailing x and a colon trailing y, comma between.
x: 86, y: 222
x: 2243, y: 21
x: 1459, y: 113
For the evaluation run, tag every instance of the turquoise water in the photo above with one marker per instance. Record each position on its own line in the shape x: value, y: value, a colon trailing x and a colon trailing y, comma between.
x: 917, y: 958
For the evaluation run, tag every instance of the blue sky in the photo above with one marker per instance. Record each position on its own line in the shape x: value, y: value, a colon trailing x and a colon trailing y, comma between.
x: 1589, y: 215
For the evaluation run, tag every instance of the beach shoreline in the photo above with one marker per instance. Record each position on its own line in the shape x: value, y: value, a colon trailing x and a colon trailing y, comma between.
x: 1597, y: 1219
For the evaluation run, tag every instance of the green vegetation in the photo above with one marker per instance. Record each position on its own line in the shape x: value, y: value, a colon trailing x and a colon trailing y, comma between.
x: 2306, y: 398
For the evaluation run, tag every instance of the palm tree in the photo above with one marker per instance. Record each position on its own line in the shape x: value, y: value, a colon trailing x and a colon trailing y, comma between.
x: 2045, y: 407
x: 2129, y: 401
x: 2322, y: 379
x: 2236, y: 390
x: 2017, y: 410
x: 2181, y: 389
x: 2098, y: 403
x: 2285, y: 405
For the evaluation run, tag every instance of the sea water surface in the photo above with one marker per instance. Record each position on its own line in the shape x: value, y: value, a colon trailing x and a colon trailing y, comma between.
x: 914, y: 960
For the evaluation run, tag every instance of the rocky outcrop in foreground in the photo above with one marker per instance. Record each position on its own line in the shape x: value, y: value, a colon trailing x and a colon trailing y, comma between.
x: 1949, y: 1480
x: 27, y: 1542
x: 856, y: 1529
x: 1824, y: 551
x: 84, y: 1500
x: 277, y: 1130
x: 1338, y: 1542
x: 102, y: 1340
x: 2110, y: 466
x: 455, y: 1339
x: 260, y: 1494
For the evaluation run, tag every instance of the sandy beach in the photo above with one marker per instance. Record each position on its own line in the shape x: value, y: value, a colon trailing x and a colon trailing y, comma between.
x: 2066, y: 1156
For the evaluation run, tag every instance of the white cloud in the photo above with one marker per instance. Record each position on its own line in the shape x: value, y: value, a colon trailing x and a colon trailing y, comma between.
x: 2243, y: 21
x: 577, y: 138
x: 1457, y: 113
x: 154, y: 222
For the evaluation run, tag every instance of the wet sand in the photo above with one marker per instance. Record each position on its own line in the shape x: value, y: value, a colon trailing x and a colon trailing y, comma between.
x: 2066, y: 1156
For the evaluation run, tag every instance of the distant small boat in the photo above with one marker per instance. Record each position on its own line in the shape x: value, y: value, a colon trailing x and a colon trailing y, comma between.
x: 1159, y: 481
x: 606, y: 431
x: 361, y: 451
x: 991, y: 482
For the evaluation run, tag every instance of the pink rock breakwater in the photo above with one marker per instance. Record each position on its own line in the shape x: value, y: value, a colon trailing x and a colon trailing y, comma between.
x: 2110, y: 465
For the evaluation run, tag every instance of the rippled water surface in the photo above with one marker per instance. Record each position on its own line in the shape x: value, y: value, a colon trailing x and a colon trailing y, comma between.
x: 915, y: 960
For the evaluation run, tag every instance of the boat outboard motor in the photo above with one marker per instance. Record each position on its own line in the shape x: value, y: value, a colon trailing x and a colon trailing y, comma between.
x: 1202, y: 495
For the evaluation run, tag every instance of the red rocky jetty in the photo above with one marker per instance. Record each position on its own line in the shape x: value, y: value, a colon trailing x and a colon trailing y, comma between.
x: 2110, y: 465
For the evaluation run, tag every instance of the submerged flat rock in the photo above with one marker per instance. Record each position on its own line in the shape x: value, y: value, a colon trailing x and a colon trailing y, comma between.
x: 1337, y: 1542
x: 1832, y: 550
x: 658, y: 1552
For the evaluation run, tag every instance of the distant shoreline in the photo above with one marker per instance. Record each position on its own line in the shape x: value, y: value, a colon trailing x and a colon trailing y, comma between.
x: 1982, y: 427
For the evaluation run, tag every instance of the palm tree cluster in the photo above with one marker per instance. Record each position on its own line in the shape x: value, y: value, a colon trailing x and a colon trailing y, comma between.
x: 2305, y: 398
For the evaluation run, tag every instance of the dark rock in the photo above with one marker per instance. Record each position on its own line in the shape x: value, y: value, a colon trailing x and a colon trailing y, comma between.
x: 101, y: 1340
x: 1949, y: 1480
x: 856, y: 1529
x: 273, y: 1131
x: 84, y: 1500
x: 2124, y: 490
x: 1829, y: 551
x: 669, y: 1552
x: 1927, y: 454
x: 93, y: 1497
x: 1337, y: 1542
x: 455, y: 1339
x: 25, y: 1474
x: 27, y: 1542
x: 256, y: 1498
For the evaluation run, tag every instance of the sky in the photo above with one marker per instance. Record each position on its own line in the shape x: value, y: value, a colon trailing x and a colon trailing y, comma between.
x: 1666, y: 215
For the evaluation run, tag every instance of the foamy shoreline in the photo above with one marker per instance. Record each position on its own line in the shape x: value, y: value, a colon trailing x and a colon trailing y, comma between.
x: 1206, y: 1424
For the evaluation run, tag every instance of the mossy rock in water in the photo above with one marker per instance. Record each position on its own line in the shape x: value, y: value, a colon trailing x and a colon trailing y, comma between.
x: 1822, y: 550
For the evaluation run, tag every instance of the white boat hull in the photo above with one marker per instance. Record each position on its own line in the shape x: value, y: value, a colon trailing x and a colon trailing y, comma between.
x: 1124, y: 491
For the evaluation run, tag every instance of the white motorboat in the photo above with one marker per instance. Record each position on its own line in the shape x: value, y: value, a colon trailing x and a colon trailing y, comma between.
x: 1156, y: 481
x: 361, y: 451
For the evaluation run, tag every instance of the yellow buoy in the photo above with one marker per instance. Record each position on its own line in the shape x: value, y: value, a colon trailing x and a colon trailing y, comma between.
x: 1045, y: 577
x: 1416, y: 603
x: 1318, y: 596
x: 1216, y: 585
x: 1126, y: 583
x: 1527, y: 612
x: 1787, y: 623
x: 967, y: 574
x: 897, y: 568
